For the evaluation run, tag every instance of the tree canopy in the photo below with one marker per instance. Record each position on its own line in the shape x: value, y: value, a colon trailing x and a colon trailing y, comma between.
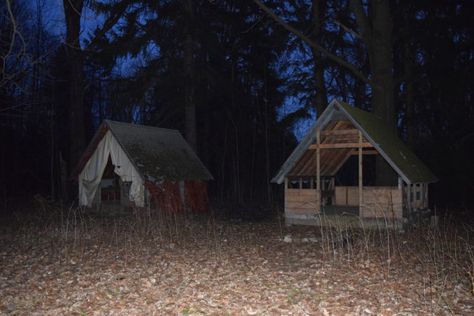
x: 238, y: 78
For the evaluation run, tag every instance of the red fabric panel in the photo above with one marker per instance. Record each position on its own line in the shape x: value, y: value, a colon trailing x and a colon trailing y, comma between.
x: 166, y: 196
x: 196, y: 196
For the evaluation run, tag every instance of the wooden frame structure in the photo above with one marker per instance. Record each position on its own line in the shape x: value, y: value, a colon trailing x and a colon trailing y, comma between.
x: 343, y: 131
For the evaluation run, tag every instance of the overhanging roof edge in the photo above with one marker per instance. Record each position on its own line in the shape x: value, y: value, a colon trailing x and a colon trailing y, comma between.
x: 303, y: 145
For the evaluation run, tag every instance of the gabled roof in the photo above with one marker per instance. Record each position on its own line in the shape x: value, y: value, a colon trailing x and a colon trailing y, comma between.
x: 157, y: 153
x: 386, y: 142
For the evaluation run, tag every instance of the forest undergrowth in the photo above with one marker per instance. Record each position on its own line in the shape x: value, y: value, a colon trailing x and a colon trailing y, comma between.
x: 65, y: 261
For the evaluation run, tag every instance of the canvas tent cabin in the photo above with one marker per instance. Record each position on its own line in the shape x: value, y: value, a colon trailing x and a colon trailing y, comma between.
x: 136, y: 166
x: 332, y: 172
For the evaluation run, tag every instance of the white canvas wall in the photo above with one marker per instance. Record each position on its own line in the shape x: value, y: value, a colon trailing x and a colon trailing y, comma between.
x: 89, y: 178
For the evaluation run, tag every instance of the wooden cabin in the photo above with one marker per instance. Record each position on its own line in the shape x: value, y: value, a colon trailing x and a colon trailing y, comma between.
x: 334, y: 170
x: 131, y: 165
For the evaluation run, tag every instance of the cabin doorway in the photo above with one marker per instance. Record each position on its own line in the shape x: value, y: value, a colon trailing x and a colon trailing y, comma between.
x: 112, y: 193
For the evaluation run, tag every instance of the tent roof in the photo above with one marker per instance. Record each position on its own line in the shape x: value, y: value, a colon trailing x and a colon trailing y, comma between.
x: 157, y: 153
x: 386, y: 142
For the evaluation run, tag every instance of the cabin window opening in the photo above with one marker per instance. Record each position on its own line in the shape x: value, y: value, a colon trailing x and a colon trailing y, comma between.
x: 306, y: 183
x: 418, y: 195
x: 294, y: 184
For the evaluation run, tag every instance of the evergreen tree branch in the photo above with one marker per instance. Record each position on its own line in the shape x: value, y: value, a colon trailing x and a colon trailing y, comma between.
x: 109, y: 23
x: 351, y: 67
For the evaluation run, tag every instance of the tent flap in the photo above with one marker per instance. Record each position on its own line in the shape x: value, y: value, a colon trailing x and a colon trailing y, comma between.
x: 91, y: 174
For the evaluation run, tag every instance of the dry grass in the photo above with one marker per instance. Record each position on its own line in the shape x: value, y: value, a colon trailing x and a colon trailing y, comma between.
x: 65, y: 261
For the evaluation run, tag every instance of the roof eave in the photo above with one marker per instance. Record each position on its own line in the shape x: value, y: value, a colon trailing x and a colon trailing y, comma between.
x: 279, y: 178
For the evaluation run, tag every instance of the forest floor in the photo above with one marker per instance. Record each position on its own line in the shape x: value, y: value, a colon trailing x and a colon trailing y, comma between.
x: 75, y: 264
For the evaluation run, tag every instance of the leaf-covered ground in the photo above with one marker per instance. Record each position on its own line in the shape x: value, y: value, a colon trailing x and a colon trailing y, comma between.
x: 131, y: 266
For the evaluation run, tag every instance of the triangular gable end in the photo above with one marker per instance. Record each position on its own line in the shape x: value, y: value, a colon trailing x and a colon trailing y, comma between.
x: 391, y: 148
x: 91, y: 173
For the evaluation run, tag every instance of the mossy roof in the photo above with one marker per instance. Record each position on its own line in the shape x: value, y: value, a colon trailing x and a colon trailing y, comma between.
x: 390, y: 146
x: 159, y: 153
x: 393, y: 147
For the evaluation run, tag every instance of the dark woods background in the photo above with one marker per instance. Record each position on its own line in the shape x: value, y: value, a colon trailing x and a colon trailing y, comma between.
x: 236, y: 83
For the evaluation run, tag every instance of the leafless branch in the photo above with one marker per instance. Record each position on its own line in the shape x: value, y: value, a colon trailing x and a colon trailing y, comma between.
x: 15, y: 34
x: 348, y: 30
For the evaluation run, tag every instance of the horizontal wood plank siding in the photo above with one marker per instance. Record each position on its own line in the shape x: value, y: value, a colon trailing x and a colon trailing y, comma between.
x: 346, y: 196
x: 382, y: 202
x: 302, y: 201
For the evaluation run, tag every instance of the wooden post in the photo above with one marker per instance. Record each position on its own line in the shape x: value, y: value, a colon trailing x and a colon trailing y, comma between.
x: 360, y: 174
x: 318, y: 165
x: 318, y: 168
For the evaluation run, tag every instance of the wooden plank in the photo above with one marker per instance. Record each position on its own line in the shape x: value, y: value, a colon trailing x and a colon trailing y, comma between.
x: 302, y: 205
x: 335, y: 160
x: 318, y: 167
x: 341, y: 163
x: 339, y: 132
x: 307, y: 166
x: 298, y: 192
x: 346, y: 195
x: 382, y: 202
x: 365, y: 152
x: 340, y: 145
x: 300, y: 199
x: 340, y: 194
x: 352, y: 196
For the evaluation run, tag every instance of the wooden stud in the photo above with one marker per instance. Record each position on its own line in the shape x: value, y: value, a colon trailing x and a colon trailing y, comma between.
x: 318, y: 171
x: 341, y: 145
x: 339, y: 132
x: 365, y: 152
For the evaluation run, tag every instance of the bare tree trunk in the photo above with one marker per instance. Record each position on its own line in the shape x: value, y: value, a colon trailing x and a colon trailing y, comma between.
x: 381, y: 62
x: 72, y: 13
x: 409, y: 95
x: 320, y: 99
x: 381, y: 65
x: 189, y: 105
x: 376, y: 31
x: 267, y: 146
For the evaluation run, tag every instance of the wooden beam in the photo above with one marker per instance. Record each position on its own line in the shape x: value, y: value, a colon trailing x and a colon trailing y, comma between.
x: 339, y: 165
x: 331, y: 159
x: 341, y: 145
x: 365, y: 152
x: 318, y: 158
x: 307, y: 162
x: 339, y: 132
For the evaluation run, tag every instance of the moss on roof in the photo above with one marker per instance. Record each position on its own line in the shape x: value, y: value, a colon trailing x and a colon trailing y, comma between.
x: 404, y: 158
x: 158, y: 153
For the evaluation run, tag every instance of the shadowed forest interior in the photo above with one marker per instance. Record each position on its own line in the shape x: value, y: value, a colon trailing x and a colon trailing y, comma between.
x: 242, y: 81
